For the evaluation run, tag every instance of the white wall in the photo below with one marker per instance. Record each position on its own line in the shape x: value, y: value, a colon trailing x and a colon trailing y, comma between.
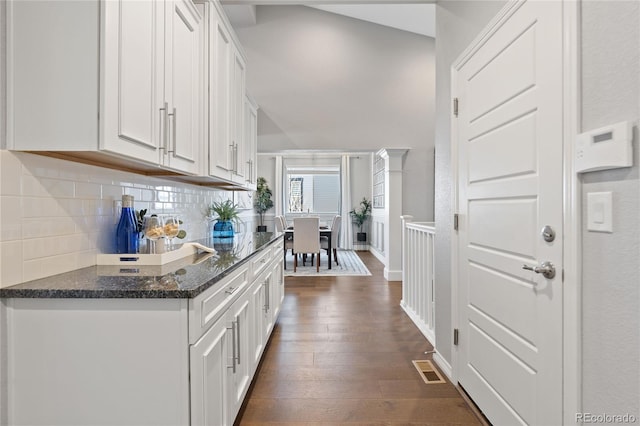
x: 611, y: 271
x: 329, y: 82
x: 457, y: 24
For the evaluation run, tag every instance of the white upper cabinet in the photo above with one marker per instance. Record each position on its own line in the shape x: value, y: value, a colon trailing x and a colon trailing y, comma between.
x: 184, y: 86
x: 238, y: 87
x: 251, y: 143
x: 220, y: 56
x: 227, y: 90
x: 117, y: 77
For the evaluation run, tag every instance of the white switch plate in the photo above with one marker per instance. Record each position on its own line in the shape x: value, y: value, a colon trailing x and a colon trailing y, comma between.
x: 600, y: 211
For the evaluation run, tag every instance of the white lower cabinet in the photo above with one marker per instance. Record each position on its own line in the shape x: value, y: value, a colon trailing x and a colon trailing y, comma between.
x: 139, y: 361
x: 210, y: 377
x: 221, y: 366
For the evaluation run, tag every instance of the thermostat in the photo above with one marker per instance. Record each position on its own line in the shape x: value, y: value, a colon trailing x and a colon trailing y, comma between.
x: 605, y: 148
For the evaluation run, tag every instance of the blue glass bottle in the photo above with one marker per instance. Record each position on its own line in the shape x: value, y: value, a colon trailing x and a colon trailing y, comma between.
x: 127, y: 229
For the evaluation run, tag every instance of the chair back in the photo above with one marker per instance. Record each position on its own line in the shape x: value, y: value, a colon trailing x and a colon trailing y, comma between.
x: 335, y: 230
x: 306, y: 235
x: 278, y: 223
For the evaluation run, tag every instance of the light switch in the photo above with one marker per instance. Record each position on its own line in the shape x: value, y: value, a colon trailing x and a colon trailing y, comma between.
x: 600, y: 212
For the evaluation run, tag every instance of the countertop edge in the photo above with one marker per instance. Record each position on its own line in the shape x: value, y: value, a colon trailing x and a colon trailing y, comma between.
x: 35, y: 293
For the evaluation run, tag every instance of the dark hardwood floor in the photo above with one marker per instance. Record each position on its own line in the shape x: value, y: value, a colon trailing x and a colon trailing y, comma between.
x: 341, y: 353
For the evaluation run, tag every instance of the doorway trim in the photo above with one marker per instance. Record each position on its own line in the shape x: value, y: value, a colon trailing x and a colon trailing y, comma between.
x: 572, y: 209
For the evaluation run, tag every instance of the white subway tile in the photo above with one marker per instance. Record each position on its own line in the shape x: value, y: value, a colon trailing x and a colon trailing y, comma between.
x: 88, y: 190
x: 11, y: 270
x: 10, y: 173
x: 10, y: 218
x: 112, y: 192
x: 47, y: 266
x: 71, y: 207
x: 32, y: 186
x: 59, y: 188
x: 56, y: 226
x: 40, y: 207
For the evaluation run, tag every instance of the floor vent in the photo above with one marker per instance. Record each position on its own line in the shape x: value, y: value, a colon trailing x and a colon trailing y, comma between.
x: 428, y: 372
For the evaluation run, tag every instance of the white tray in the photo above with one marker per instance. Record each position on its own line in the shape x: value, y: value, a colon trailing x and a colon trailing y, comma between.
x: 146, y: 259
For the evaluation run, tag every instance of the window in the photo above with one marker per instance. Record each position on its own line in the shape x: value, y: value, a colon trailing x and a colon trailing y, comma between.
x: 313, y: 189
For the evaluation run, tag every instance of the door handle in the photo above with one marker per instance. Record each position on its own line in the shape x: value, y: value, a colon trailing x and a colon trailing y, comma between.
x: 546, y: 269
x: 238, y: 339
x: 234, y: 355
x: 174, y: 133
x: 164, y: 118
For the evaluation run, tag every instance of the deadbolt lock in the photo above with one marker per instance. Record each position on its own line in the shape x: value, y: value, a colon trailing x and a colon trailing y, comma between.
x: 548, y: 234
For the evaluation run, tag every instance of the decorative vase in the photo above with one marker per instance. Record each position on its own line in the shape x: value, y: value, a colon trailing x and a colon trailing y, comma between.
x: 361, y: 236
x: 262, y: 228
x: 223, y: 245
x: 223, y: 229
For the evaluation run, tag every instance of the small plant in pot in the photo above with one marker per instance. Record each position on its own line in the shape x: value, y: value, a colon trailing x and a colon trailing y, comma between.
x: 225, y: 213
x: 359, y: 216
x: 262, y: 201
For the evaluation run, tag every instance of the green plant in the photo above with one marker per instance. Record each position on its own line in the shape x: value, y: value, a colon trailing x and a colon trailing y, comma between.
x: 360, y: 215
x: 262, y: 200
x: 224, y: 211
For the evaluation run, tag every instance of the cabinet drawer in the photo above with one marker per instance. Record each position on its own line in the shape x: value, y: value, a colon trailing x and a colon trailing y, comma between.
x: 207, y: 307
x: 261, y: 261
x: 276, y: 249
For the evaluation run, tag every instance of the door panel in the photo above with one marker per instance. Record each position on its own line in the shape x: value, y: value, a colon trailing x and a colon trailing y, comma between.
x: 510, y: 187
x: 133, y: 79
x: 184, y: 86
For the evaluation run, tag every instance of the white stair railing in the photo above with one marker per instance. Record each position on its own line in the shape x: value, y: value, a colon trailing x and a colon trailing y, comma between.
x: 418, y: 261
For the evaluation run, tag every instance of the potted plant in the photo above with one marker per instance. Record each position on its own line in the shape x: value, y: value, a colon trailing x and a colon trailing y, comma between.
x: 262, y: 201
x: 359, y: 216
x: 225, y: 213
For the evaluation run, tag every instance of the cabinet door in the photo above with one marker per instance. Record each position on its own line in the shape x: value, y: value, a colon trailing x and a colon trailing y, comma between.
x: 257, y: 330
x: 250, y: 144
x: 267, y: 311
x: 220, y: 51
x: 132, y: 82
x: 210, y: 363
x: 240, y: 378
x: 277, y: 287
x: 183, y: 86
x: 238, y: 82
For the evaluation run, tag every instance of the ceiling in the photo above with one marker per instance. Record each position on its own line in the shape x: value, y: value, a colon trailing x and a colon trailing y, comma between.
x: 415, y: 17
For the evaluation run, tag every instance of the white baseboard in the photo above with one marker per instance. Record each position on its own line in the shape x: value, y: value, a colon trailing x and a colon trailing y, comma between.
x: 378, y: 255
x: 444, y: 365
x: 392, y: 275
x: 428, y: 334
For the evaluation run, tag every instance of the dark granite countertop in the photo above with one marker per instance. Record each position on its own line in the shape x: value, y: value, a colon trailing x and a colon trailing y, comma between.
x: 182, y: 279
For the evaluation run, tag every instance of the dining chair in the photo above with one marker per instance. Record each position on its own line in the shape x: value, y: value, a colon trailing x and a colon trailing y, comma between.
x: 288, y: 241
x: 306, y: 238
x: 335, y: 231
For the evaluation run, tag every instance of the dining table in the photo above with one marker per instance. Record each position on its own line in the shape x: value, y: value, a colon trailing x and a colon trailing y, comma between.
x: 325, y: 231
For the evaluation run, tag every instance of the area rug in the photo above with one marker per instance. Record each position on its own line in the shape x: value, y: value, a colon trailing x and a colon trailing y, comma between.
x: 350, y: 264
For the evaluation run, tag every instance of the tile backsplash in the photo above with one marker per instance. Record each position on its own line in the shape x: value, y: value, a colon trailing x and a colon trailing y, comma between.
x: 56, y: 215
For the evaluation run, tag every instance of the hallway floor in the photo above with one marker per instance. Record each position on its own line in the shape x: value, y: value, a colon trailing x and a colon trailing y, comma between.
x: 341, y: 353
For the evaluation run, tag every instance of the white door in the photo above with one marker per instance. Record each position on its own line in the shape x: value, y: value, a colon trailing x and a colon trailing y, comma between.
x: 210, y: 363
x: 240, y: 378
x: 184, y: 86
x: 238, y: 96
x: 133, y: 78
x: 220, y: 67
x: 509, y: 133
